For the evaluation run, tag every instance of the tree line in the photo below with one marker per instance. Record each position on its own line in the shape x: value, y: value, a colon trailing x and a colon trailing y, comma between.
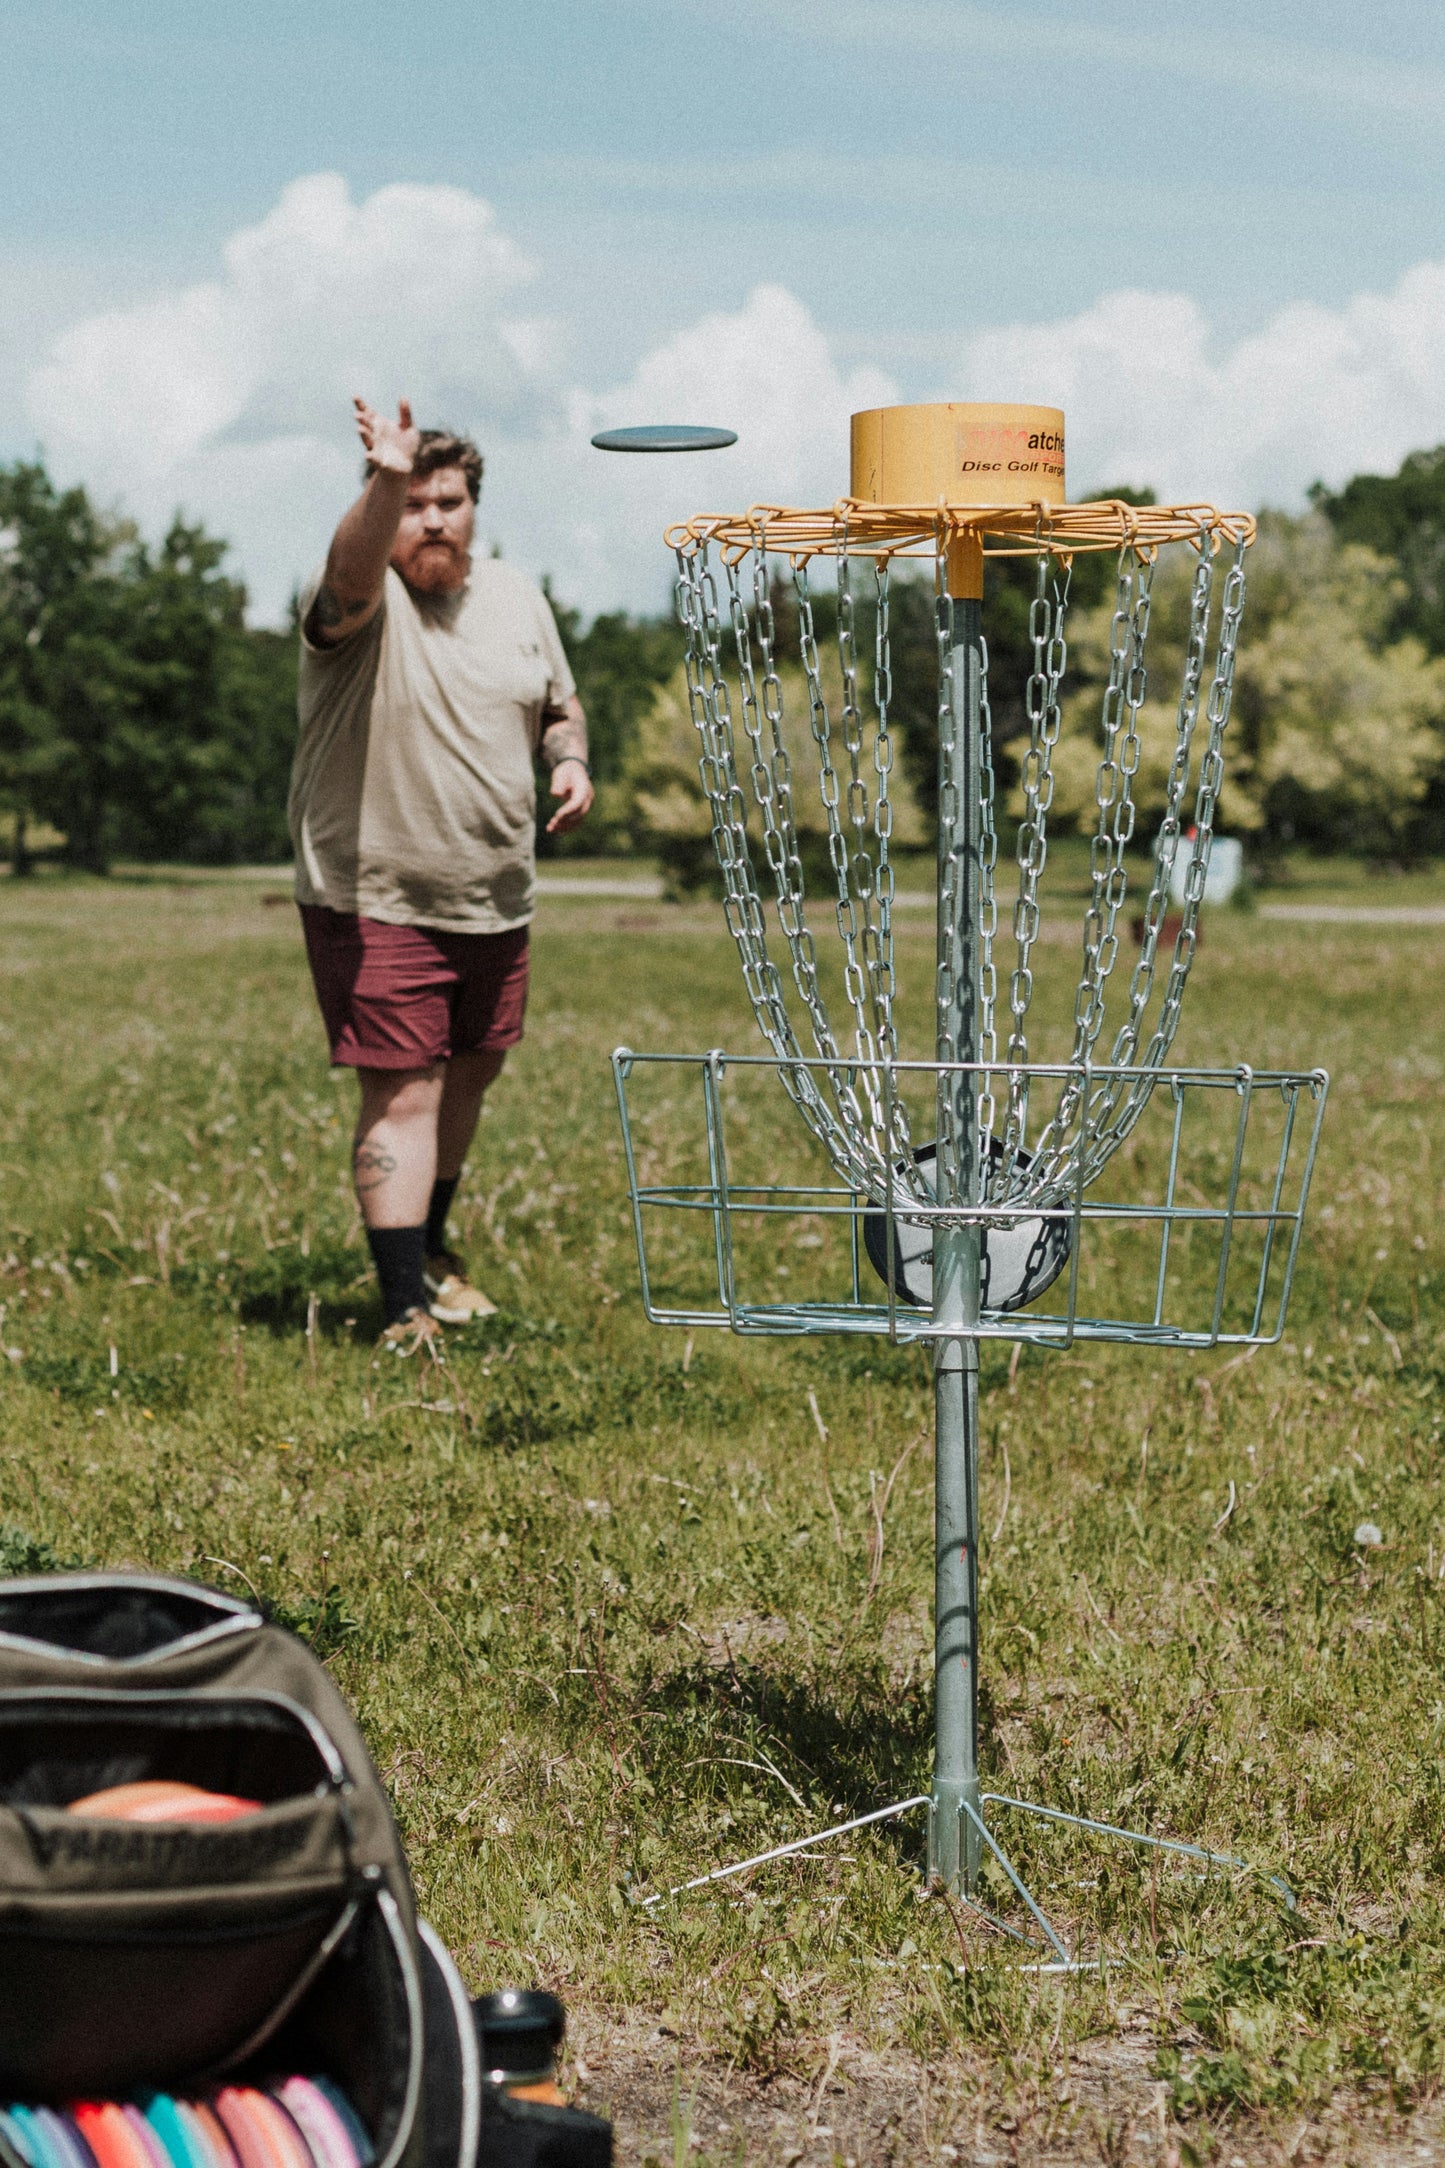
x: 141, y: 718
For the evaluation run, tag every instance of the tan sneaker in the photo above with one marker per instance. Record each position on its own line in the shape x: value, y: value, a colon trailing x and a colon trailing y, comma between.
x: 451, y: 1297
x: 413, y: 1333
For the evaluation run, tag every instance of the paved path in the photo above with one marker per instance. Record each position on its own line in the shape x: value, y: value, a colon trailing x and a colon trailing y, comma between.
x: 1359, y: 914
x: 646, y: 888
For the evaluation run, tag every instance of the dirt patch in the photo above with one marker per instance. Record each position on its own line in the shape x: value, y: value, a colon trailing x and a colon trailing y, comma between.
x: 860, y: 2109
x: 731, y: 1639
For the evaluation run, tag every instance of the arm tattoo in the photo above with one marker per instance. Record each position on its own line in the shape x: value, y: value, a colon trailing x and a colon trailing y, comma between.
x: 330, y: 609
x: 371, y: 1166
x: 564, y: 739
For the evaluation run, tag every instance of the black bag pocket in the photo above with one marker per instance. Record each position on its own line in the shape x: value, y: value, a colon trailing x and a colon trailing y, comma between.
x: 194, y: 1939
x: 179, y: 1997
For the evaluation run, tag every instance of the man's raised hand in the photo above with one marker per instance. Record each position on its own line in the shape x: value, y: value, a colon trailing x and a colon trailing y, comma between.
x: 391, y: 446
x: 351, y: 586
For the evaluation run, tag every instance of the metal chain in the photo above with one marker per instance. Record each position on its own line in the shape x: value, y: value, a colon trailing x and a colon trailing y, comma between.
x: 857, y: 876
x: 1166, y: 843
x: 1042, y: 707
x: 852, y: 869
x: 950, y: 868
x: 1211, y: 779
x: 772, y: 788
x: 880, y: 955
x: 710, y: 708
x: 1114, y: 796
x: 1112, y: 1108
x: 1108, y: 880
x: 785, y: 857
x: 1108, y: 1127
x: 987, y: 924
x: 951, y: 905
x: 855, y: 1141
x: 711, y: 714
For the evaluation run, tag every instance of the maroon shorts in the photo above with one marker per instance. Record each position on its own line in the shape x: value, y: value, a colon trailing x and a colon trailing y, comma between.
x: 403, y: 997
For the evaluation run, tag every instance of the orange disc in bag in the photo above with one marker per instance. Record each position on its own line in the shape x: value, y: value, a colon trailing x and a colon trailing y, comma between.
x: 159, y: 1800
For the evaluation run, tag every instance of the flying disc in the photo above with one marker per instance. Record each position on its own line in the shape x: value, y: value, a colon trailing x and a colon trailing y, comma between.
x: 351, y: 2122
x: 100, y: 2126
x: 163, y: 1801
x: 665, y: 437
x: 67, y: 2137
x: 31, y: 2136
x: 170, y: 2133
x: 202, y: 2118
x: 150, y: 2140
x: 17, y: 2142
x: 48, y: 2137
x: 243, y: 2111
x: 284, y: 2140
x: 327, y: 2137
x: 1021, y: 1258
x: 264, y: 2135
x: 232, y: 2106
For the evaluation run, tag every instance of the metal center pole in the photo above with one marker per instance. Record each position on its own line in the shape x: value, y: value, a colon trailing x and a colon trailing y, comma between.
x: 954, y: 1843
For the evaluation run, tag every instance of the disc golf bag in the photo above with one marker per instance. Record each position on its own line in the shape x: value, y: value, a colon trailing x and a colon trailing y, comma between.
x: 176, y: 1955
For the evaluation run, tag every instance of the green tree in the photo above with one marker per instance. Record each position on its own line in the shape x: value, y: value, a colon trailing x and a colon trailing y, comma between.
x: 619, y: 662
x: 138, y: 714
x: 206, y: 749
x: 1400, y: 516
x: 1337, y: 728
x: 261, y: 701
x: 64, y: 676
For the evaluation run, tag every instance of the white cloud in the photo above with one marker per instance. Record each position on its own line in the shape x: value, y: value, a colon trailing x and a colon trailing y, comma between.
x: 1316, y: 394
x: 324, y: 297
x: 231, y: 397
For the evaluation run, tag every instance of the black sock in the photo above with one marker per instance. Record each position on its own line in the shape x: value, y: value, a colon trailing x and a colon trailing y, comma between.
x: 443, y: 1189
x: 399, y: 1254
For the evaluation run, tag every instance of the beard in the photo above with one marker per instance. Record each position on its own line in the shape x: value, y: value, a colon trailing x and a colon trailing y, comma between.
x: 436, y: 567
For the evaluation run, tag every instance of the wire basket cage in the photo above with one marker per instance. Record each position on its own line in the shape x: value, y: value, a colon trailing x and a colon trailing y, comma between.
x: 740, y: 1222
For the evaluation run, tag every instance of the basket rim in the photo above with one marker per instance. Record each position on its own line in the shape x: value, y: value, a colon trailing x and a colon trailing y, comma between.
x: 854, y: 527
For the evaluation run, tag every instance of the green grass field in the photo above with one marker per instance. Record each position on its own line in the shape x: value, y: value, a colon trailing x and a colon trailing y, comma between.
x: 612, y: 1609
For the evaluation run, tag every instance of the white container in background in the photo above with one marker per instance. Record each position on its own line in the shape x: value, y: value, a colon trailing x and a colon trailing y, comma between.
x: 1222, y: 876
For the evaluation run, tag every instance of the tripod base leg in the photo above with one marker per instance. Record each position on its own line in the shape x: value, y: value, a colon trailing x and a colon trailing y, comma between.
x: 958, y: 1838
x: 955, y: 1846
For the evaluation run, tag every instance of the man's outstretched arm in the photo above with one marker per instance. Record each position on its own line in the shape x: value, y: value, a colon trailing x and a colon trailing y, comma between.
x: 351, y: 586
x: 564, y: 751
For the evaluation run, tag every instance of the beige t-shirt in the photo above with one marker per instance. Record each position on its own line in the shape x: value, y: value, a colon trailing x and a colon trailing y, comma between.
x: 413, y: 797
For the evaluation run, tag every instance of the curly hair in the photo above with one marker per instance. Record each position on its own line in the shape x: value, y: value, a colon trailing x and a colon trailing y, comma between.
x: 443, y: 448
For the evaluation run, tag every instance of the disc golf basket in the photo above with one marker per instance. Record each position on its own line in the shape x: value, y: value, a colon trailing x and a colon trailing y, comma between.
x: 968, y: 1196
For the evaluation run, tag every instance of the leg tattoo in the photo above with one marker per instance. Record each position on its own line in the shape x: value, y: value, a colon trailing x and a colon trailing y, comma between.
x: 371, y: 1166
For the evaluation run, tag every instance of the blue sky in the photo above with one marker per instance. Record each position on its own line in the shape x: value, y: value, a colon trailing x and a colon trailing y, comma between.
x: 934, y: 198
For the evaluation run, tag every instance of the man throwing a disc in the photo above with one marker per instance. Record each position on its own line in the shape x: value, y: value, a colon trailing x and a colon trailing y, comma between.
x: 429, y: 686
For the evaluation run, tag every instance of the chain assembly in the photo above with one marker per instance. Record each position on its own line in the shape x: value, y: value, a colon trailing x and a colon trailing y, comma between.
x: 737, y: 699
x: 863, y: 1131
